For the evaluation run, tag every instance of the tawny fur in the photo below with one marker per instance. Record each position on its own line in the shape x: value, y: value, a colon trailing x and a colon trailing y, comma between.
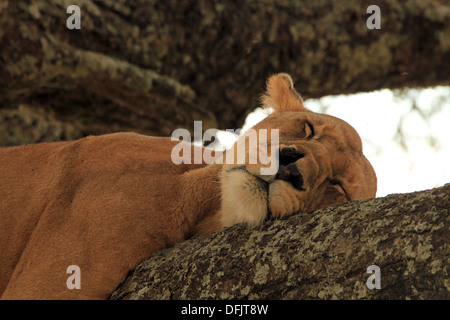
x: 105, y: 203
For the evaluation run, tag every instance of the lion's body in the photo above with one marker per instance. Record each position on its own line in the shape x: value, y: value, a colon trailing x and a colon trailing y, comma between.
x: 72, y: 203
x: 105, y: 203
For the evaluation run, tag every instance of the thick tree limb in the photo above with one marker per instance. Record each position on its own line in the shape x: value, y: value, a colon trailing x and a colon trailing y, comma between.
x: 151, y: 66
x: 320, y: 255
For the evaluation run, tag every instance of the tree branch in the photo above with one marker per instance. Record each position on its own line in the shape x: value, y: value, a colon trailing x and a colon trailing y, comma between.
x: 154, y: 66
x: 320, y: 255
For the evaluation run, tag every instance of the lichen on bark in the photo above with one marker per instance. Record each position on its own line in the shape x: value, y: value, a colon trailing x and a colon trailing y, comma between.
x: 319, y: 255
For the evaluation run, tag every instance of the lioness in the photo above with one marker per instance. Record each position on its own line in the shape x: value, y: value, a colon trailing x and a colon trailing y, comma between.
x: 105, y: 203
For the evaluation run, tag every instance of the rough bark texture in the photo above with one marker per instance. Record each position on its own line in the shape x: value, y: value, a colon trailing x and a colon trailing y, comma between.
x: 151, y: 66
x: 320, y: 255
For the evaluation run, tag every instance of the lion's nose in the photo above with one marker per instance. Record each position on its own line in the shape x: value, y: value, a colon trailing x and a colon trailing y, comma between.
x: 291, y: 174
x: 289, y: 155
x: 287, y: 170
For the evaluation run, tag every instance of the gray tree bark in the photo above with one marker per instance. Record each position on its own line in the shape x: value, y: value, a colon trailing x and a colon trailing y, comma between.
x: 320, y: 255
x: 151, y: 66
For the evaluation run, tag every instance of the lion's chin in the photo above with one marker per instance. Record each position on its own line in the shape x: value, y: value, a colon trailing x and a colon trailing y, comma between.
x: 248, y: 198
x: 244, y: 198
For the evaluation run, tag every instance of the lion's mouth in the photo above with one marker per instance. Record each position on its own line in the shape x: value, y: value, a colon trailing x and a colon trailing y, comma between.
x: 291, y: 174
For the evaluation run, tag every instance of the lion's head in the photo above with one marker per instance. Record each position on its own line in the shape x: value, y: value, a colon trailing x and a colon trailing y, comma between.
x: 320, y: 163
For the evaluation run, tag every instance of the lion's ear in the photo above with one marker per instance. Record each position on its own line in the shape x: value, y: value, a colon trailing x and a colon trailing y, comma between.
x: 281, y: 95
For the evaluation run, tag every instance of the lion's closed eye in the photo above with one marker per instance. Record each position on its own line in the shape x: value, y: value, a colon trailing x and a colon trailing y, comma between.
x: 309, y: 130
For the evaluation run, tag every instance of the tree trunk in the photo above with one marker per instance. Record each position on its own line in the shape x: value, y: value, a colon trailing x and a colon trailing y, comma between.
x: 152, y: 66
x: 320, y: 255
